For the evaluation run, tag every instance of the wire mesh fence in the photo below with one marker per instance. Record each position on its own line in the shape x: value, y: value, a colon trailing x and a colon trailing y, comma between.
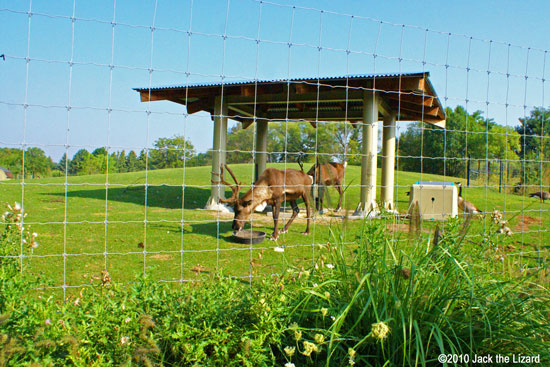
x: 133, y: 177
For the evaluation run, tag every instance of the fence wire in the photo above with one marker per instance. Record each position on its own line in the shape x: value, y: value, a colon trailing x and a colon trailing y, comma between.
x: 491, y: 91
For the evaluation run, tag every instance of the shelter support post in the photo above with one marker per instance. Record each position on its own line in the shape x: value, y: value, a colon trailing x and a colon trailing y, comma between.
x: 388, y: 161
x: 369, y: 147
x: 218, y: 154
x: 261, y: 147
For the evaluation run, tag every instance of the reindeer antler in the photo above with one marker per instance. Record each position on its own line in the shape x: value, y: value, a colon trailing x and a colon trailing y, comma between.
x: 300, y: 161
x: 234, y: 188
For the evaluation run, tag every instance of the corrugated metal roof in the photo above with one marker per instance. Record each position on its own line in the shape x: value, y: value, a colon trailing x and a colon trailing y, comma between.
x: 243, y: 82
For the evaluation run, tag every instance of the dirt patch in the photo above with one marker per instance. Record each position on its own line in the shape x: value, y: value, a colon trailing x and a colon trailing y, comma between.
x: 162, y: 257
x: 326, y: 218
x: 56, y: 200
x: 525, y: 222
x: 403, y: 227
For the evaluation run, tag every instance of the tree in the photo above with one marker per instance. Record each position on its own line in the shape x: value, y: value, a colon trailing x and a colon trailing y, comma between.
x: 170, y: 152
x: 75, y: 165
x: 101, y: 151
x: 239, y: 144
x: 447, y: 151
x: 37, y: 163
x: 97, y: 164
x: 63, y: 163
x: 132, y: 162
x: 534, y: 149
x: 12, y: 159
x: 340, y: 140
x: 142, y: 160
x: 535, y: 132
x: 297, y: 140
x: 121, y: 162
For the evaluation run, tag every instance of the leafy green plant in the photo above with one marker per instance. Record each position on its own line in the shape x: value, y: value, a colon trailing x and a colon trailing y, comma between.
x: 395, y: 305
x: 386, y: 301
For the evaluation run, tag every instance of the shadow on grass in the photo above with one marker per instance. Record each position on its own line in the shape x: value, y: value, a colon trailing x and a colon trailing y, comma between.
x: 160, y: 196
x: 212, y: 228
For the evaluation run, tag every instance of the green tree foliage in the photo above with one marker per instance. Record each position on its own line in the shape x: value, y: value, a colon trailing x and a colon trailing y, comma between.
x: 535, y: 132
x: 63, y: 163
x: 36, y: 162
x: 239, y: 144
x: 446, y: 151
x: 142, y: 160
x: 132, y: 163
x: 170, y: 152
x: 121, y: 161
x: 75, y: 165
x: 12, y: 159
x: 300, y: 140
x: 97, y: 163
x: 535, y: 147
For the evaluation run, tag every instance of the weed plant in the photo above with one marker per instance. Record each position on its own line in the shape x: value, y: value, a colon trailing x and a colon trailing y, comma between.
x: 384, y: 302
x: 404, y: 306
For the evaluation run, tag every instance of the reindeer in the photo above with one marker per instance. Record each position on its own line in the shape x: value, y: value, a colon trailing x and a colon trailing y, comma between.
x: 465, y: 205
x: 328, y: 174
x: 272, y: 187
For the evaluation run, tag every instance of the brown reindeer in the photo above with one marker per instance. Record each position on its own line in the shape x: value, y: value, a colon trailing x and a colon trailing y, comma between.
x: 328, y: 174
x: 273, y: 187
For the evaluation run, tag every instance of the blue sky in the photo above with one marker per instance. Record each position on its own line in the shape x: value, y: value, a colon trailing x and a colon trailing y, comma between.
x: 48, y: 83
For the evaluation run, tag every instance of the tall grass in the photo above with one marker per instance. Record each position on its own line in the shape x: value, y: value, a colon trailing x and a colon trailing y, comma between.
x: 383, y: 302
x: 403, y: 305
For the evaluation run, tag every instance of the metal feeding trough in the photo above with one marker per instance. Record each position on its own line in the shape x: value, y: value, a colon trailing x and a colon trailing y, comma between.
x: 249, y: 237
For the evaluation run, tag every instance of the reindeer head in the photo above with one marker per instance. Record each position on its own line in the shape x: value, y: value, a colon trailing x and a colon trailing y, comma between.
x: 242, y: 208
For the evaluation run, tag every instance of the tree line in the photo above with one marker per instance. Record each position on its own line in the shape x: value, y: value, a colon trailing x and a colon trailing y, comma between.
x: 166, y: 153
x: 467, y: 136
x: 470, y: 136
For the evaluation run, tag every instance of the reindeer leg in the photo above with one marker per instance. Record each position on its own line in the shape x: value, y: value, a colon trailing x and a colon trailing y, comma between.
x: 341, y: 193
x: 276, y: 211
x: 308, y: 211
x: 295, y: 211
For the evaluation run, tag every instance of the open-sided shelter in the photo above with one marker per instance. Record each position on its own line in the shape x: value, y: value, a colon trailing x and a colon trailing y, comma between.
x: 5, y: 174
x: 362, y: 100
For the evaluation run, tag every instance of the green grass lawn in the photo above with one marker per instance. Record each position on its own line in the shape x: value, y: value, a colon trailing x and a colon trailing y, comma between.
x: 127, y: 229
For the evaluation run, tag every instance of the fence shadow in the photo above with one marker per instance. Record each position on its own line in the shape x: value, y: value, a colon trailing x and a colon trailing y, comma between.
x: 159, y: 196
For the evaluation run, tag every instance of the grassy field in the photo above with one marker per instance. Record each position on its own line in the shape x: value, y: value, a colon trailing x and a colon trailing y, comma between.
x: 128, y: 229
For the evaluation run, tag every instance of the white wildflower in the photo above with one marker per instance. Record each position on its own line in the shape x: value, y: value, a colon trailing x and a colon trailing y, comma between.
x: 279, y: 249
x: 330, y: 266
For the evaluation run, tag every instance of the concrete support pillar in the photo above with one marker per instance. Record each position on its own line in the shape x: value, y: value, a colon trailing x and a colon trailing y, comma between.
x: 261, y: 147
x: 218, y: 153
x: 369, y: 151
x: 388, y: 161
